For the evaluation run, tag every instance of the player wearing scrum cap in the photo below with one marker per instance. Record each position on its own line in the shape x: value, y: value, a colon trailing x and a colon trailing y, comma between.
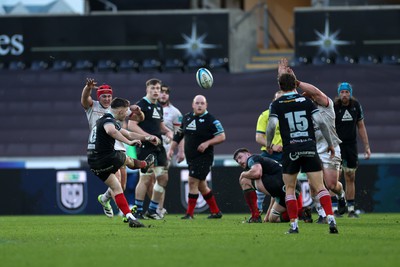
x: 94, y: 110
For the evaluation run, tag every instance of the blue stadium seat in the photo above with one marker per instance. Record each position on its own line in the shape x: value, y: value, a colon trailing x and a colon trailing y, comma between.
x: 61, y: 65
x: 392, y: 59
x: 17, y: 65
x: 129, y: 65
x: 301, y: 61
x: 220, y: 63
x: 84, y: 65
x: 195, y: 63
x: 39, y: 65
x: 106, y: 65
x: 151, y: 64
x: 343, y: 60
x: 320, y: 60
x: 368, y: 59
x: 173, y: 64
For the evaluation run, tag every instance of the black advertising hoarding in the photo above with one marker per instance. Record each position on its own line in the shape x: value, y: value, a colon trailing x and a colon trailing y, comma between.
x: 75, y: 191
x: 348, y: 32
x: 122, y: 36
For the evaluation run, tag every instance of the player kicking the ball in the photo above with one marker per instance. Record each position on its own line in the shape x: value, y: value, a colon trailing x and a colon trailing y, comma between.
x: 105, y: 161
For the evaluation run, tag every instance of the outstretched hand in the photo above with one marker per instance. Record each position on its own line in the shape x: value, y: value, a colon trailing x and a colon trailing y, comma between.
x: 283, y: 67
x: 91, y: 83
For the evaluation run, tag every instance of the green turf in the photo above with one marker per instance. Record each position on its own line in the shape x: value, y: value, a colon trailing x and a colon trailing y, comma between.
x: 56, y: 241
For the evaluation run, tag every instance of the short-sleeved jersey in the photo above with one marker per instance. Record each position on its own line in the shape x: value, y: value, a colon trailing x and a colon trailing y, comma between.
x: 346, y: 121
x: 196, y: 130
x: 328, y: 115
x: 262, y: 124
x: 101, y: 144
x: 95, y: 112
x: 294, y: 113
x: 272, y: 174
x: 153, y: 116
x: 172, y: 120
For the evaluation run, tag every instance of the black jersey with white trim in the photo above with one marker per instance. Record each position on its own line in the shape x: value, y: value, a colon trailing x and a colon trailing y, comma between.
x: 294, y: 113
x: 346, y: 121
x: 101, y: 143
x: 153, y: 116
x: 196, y: 130
x: 271, y: 174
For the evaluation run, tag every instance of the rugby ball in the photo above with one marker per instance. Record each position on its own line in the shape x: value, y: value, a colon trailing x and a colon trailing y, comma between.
x: 204, y: 78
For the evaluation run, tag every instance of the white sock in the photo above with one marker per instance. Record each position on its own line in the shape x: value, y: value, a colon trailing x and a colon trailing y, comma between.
x: 107, y: 195
x: 331, y: 218
x: 130, y: 216
x: 320, y: 210
x: 294, y: 224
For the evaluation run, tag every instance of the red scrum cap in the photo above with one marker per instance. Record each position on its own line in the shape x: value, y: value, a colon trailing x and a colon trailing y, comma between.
x: 104, y: 89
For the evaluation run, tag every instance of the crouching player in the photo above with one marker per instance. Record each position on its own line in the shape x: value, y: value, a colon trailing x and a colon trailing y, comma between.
x: 266, y: 175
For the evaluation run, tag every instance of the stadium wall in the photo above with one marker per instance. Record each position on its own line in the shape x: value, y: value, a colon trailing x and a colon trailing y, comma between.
x: 37, y: 186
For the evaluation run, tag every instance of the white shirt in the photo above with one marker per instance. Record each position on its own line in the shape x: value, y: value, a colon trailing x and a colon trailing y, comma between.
x: 172, y: 120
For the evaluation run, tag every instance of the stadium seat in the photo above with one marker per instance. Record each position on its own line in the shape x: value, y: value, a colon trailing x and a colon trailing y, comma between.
x: 318, y: 60
x: 39, y: 65
x: 61, y: 65
x: 173, y: 64
x: 392, y: 59
x: 194, y: 64
x: 129, y: 65
x: 368, y: 59
x: 84, y: 65
x: 220, y: 63
x: 343, y: 60
x: 151, y: 64
x: 106, y: 65
x: 301, y: 61
x: 17, y: 65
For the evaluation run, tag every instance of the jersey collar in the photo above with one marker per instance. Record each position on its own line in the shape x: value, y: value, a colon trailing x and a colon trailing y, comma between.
x: 205, y: 113
x: 148, y: 101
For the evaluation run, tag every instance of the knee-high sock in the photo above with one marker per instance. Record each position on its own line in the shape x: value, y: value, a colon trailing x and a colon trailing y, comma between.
x: 325, y: 200
x: 300, y: 206
x: 291, y: 206
x: 122, y: 203
x: 251, y: 199
x: 192, y: 199
x: 210, y: 199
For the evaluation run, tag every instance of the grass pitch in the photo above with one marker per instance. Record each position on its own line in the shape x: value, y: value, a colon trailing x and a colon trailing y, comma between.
x: 57, y: 241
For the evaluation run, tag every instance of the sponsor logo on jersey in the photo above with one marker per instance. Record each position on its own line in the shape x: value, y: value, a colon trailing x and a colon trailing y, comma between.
x: 192, y: 126
x: 347, y: 116
x: 156, y: 115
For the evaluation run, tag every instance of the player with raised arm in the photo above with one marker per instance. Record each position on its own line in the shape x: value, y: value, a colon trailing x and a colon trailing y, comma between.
x: 296, y: 114
x: 330, y: 166
x: 94, y: 110
x: 105, y: 161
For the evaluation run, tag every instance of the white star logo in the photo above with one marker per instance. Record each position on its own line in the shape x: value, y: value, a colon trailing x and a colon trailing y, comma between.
x: 327, y: 42
x: 194, y: 45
